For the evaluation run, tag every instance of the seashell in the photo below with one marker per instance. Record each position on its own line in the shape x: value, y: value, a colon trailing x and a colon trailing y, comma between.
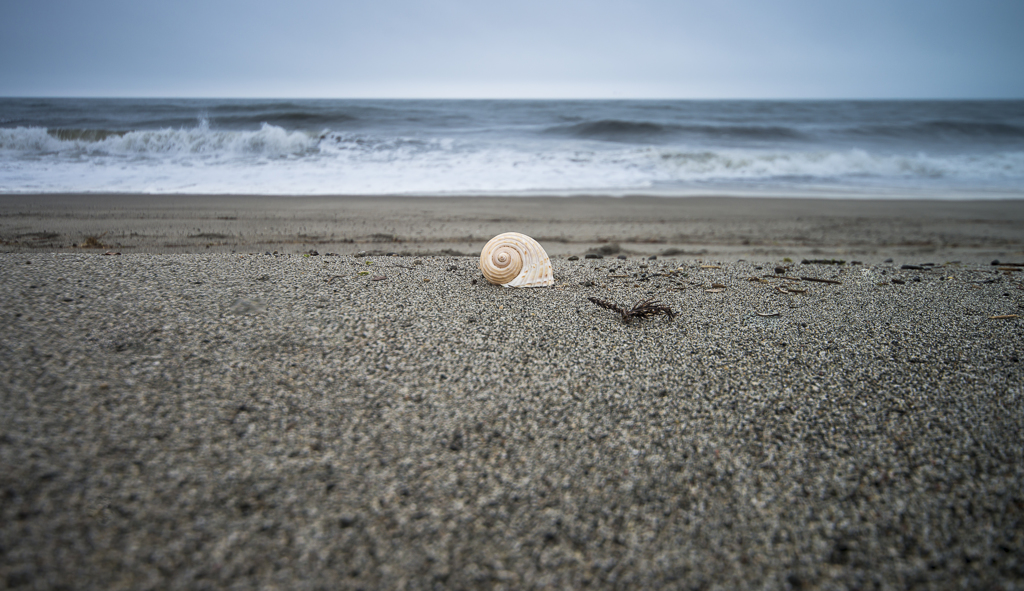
x: 516, y: 260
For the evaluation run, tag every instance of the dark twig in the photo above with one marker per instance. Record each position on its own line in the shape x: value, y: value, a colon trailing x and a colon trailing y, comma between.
x: 609, y: 306
x: 832, y: 281
x: 643, y: 309
x: 650, y: 308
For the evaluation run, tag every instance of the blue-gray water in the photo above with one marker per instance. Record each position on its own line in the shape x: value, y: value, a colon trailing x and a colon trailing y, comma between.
x: 948, y: 149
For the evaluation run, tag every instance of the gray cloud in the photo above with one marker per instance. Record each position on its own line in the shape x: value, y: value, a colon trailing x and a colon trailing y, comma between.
x: 455, y: 48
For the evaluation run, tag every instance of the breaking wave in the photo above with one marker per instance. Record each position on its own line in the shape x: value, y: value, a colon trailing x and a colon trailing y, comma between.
x: 476, y: 147
x: 269, y: 141
x: 839, y: 166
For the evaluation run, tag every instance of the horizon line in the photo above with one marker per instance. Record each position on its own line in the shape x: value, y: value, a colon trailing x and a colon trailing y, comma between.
x: 491, y: 98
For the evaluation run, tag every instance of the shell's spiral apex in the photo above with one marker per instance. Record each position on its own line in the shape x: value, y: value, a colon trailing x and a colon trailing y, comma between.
x: 516, y: 260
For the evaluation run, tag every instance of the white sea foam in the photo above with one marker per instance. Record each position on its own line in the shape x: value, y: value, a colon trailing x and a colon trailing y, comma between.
x: 268, y: 142
x: 273, y: 160
x: 846, y: 164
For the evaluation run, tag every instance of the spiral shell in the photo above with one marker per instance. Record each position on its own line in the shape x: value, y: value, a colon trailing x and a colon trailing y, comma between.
x: 516, y: 260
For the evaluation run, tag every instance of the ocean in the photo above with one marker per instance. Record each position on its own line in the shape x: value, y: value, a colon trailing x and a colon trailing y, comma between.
x: 886, y: 149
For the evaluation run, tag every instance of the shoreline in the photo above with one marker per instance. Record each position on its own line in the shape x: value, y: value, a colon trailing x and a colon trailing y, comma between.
x: 725, y: 228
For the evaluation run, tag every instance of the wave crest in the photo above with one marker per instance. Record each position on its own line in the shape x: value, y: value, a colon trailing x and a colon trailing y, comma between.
x: 269, y: 141
x: 948, y: 129
x: 639, y: 131
x: 85, y: 135
x: 613, y: 130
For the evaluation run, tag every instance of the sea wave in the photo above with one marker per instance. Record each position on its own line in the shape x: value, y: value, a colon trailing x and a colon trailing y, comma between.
x: 922, y: 132
x: 392, y: 148
x: 352, y: 164
x: 837, y: 165
x: 615, y: 130
x: 943, y: 129
x: 285, y: 119
x: 274, y: 159
x: 85, y: 135
x: 600, y: 147
x: 269, y: 141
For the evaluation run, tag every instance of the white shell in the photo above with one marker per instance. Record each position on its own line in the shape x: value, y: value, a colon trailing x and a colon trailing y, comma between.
x: 516, y: 260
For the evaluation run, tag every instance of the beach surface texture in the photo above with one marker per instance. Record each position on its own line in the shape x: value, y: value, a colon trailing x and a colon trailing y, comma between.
x: 177, y: 416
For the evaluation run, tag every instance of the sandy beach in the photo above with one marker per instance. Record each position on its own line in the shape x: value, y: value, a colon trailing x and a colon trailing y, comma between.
x: 196, y: 413
x: 712, y: 227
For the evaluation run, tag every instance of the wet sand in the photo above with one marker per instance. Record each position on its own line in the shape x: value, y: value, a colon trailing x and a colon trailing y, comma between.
x: 714, y: 228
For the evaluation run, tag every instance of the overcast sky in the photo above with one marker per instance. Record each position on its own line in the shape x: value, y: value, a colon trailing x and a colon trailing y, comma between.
x: 514, y: 48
